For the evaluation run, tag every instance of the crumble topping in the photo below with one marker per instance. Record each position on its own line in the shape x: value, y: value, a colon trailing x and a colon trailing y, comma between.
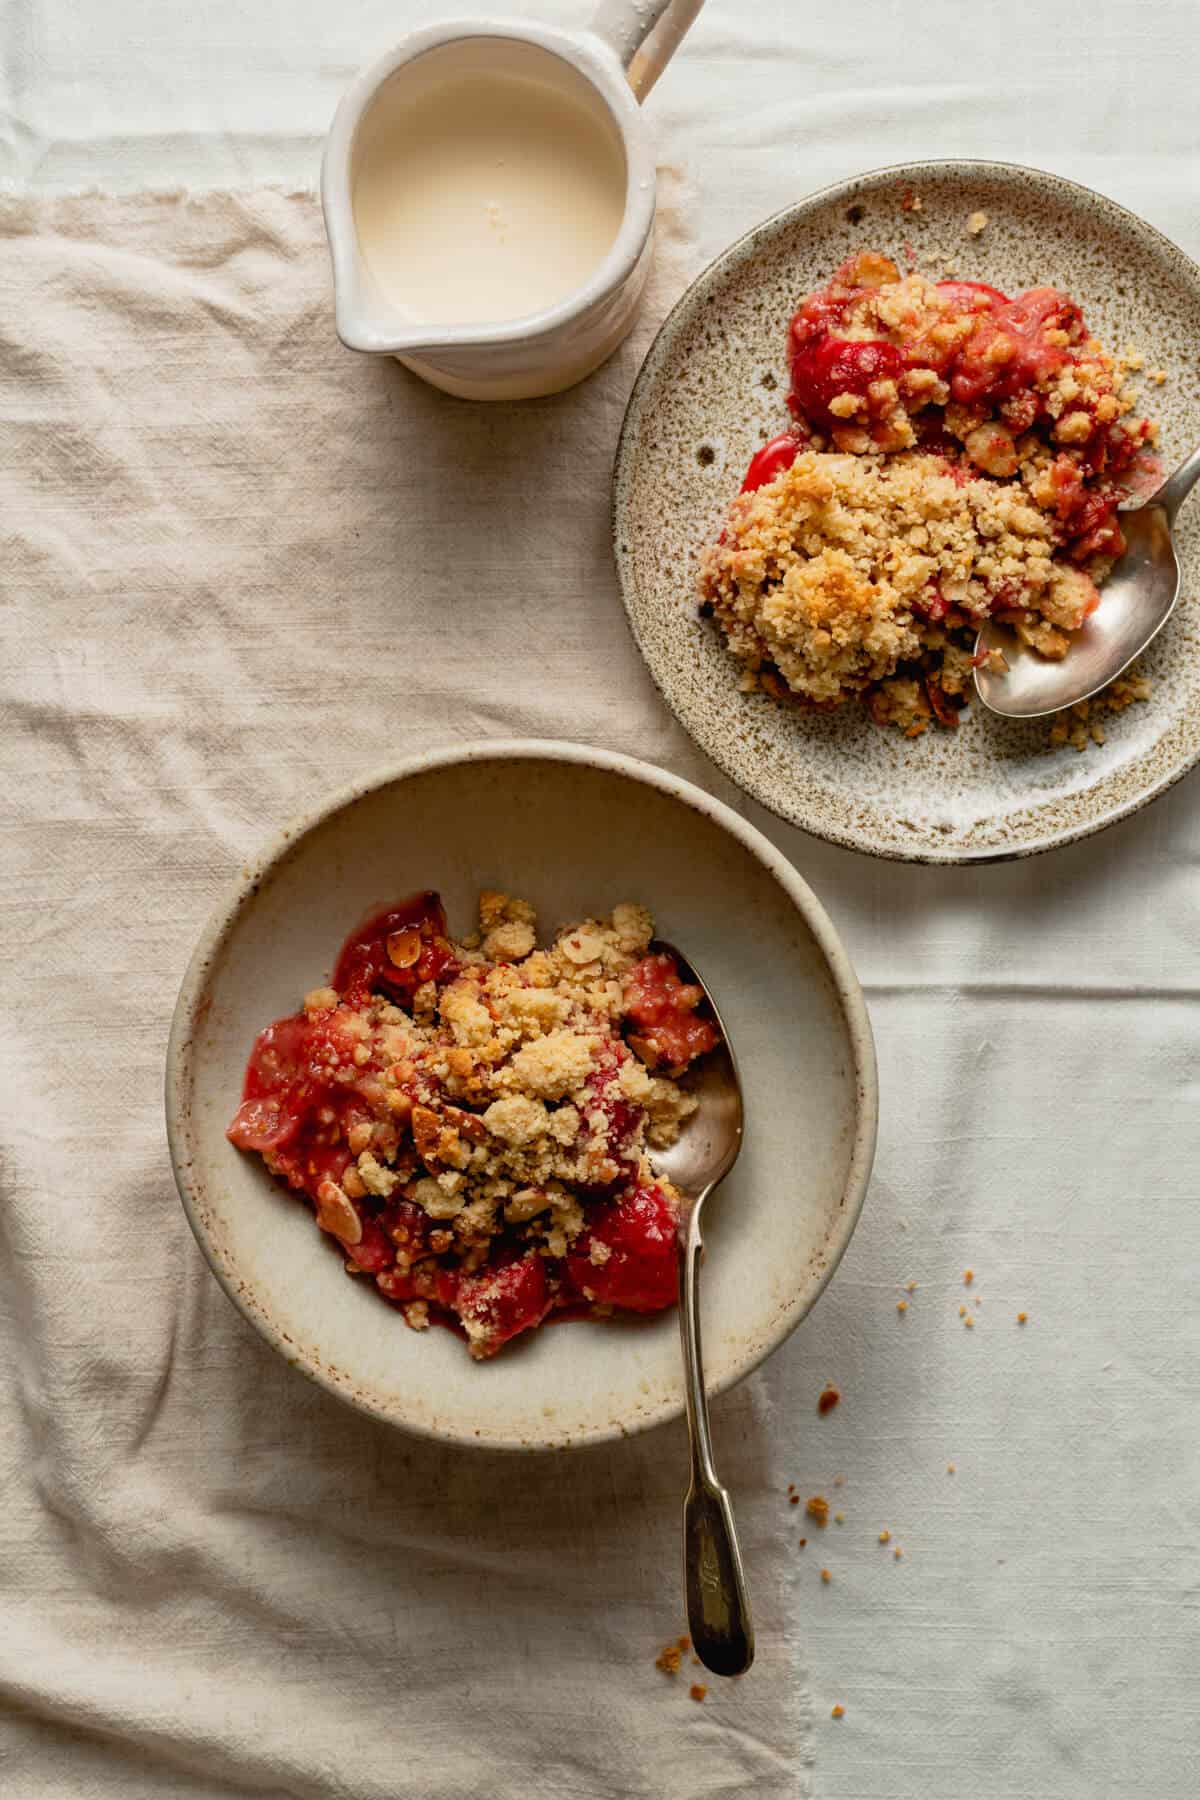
x: 955, y: 456
x: 472, y: 1119
x: 831, y: 573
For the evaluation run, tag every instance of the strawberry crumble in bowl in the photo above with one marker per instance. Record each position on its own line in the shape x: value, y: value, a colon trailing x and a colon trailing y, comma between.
x: 954, y: 456
x: 453, y: 1121
x: 934, y: 386
x: 474, y: 1121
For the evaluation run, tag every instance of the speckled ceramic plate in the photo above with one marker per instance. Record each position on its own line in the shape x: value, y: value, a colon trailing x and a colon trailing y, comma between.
x: 525, y: 817
x: 713, y: 388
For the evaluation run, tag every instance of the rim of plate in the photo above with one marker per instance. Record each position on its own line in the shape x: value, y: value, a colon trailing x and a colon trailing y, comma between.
x: 631, y: 427
x: 240, y: 894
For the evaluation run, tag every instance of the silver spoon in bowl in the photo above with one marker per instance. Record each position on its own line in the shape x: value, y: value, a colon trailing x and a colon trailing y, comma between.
x: 1135, y: 603
x: 718, y: 1608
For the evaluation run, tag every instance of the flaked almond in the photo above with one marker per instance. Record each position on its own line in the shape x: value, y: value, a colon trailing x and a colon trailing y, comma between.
x: 404, y: 947
x: 466, y: 1124
x: 426, y: 1130
x: 336, y: 1215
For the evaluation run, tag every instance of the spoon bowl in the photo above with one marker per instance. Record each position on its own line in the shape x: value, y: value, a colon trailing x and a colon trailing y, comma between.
x: 709, y: 1141
x: 1136, y: 601
x: 718, y: 1607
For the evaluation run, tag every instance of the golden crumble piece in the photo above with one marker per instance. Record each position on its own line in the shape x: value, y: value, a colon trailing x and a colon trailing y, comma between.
x: 462, y: 1010
x: 322, y: 999
x: 669, y: 1659
x: 697, y: 1691
x: 977, y: 223
x: 495, y: 908
x: 817, y: 1508
x: 633, y: 928
x: 516, y: 1119
x: 554, y: 1066
x: 375, y: 1177
x: 509, y: 941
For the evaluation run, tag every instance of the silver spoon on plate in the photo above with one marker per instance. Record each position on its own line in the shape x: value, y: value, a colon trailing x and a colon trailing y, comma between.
x: 1135, y: 603
x: 718, y: 1608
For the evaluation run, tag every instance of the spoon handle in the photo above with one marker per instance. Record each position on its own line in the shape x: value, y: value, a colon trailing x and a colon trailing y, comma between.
x: 1179, y: 484
x: 718, y: 1607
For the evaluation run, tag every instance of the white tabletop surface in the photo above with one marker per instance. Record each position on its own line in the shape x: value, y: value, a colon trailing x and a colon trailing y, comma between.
x: 1036, y: 1023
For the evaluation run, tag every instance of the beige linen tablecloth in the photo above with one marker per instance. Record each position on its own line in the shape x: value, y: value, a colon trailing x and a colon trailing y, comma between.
x: 240, y: 566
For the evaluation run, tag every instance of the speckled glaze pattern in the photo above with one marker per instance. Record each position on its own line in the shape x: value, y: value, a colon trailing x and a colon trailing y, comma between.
x: 713, y: 388
x: 572, y: 829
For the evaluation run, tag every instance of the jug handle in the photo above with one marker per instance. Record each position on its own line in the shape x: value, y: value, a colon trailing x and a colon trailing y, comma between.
x: 645, y: 35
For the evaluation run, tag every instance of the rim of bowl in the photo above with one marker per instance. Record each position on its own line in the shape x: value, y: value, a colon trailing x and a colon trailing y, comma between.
x: 240, y: 894
x: 631, y: 429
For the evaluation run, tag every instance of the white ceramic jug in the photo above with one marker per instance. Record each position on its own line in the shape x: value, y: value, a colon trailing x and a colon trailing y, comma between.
x: 613, y: 65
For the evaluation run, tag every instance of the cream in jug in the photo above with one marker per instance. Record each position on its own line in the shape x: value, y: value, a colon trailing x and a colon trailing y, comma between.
x: 489, y: 196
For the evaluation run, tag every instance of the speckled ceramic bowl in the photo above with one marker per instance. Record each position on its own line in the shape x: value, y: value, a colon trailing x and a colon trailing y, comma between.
x: 573, y: 830
x: 713, y: 388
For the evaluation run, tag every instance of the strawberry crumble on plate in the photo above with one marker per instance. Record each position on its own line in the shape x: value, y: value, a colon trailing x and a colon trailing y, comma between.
x: 472, y: 1120
x: 955, y: 455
